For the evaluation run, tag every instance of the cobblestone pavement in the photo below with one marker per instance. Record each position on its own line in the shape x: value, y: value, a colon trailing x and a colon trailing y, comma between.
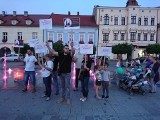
x: 15, y: 105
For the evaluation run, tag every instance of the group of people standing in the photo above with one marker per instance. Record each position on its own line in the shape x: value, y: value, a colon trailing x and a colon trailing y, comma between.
x: 59, y: 64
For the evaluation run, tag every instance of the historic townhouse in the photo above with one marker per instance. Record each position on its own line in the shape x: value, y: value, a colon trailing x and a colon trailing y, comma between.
x: 86, y: 33
x: 132, y: 24
x: 15, y: 26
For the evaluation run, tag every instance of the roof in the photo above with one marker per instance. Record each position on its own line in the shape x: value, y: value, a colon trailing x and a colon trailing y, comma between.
x: 22, y: 20
x: 85, y: 20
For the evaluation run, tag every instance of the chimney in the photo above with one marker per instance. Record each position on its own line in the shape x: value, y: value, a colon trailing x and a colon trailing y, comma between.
x: 3, y: 13
x: 25, y: 13
x: 69, y: 13
x: 14, y: 13
x: 77, y: 13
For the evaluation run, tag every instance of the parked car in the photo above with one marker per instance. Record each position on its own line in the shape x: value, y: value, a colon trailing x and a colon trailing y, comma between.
x: 12, y: 57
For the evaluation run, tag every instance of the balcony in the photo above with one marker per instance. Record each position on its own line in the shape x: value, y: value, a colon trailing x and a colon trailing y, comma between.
x: 4, y: 40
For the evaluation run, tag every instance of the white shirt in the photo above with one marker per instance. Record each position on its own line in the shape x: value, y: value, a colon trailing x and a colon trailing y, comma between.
x: 78, y: 59
x: 30, y: 63
x: 99, y: 75
x: 46, y: 73
x: 133, y: 77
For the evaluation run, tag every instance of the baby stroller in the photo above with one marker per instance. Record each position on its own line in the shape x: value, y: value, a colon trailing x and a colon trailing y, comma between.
x: 137, y: 86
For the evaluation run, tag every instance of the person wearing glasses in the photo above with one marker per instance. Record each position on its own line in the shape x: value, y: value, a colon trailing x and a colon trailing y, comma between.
x: 65, y: 61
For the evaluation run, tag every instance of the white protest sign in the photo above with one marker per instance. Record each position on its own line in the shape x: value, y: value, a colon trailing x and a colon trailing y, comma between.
x: 33, y: 42
x: 45, y: 24
x: 86, y: 48
x: 105, y: 51
x: 40, y: 48
x: 75, y: 44
x: 18, y: 43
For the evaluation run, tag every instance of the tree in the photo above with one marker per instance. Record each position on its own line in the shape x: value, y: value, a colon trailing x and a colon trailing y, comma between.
x: 24, y: 49
x: 123, y: 48
x: 58, y: 46
x: 153, y: 49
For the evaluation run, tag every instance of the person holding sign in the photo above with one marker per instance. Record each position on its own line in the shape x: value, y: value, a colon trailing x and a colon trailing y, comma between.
x: 84, y: 75
x: 46, y: 74
x: 29, y: 71
x: 65, y: 61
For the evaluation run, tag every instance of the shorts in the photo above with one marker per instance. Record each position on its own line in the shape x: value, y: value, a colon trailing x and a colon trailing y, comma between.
x: 98, y: 83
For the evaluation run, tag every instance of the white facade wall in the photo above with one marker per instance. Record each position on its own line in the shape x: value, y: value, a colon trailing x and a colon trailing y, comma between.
x: 127, y: 12
x: 13, y: 35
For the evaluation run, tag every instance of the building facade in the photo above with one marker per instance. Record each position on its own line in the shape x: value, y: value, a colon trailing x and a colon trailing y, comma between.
x: 22, y: 27
x: 131, y: 24
x: 87, y: 33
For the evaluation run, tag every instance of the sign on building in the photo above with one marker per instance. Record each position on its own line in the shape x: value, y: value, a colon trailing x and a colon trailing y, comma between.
x: 72, y: 23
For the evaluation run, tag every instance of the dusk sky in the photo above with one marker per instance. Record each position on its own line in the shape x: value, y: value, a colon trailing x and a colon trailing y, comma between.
x: 63, y: 6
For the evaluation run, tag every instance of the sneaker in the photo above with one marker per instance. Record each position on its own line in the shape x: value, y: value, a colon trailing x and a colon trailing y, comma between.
x: 81, y: 98
x: 43, y: 96
x: 102, y: 96
x: 48, y: 98
x: 61, y: 100
x: 76, y: 89
x: 24, y: 90
x: 107, y: 97
x: 98, y: 97
x: 84, y: 99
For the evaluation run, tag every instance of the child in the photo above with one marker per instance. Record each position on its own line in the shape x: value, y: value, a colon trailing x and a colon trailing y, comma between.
x: 132, y: 78
x: 105, y: 83
x: 98, y: 80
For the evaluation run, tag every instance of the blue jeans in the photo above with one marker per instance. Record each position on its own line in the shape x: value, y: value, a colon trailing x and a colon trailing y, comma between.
x: 84, y: 83
x: 65, y: 84
x: 55, y: 81
x: 47, y: 82
x: 31, y: 75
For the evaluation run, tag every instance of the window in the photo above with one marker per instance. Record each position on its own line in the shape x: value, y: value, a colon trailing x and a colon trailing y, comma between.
x: 105, y: 37
x: 106, y: 20
x: 122, y: 36
x: 152, y: 21
x: 60, y: 36
x: 145, y: 36
x: 145, y: 21
x: 1, y: 22
x: 133, y: 36
x: 115, y: 36
x: 123, y: 21
x: 4, y: 34
x: 28, y: 22
x: 133, y: 19
x: 139, y: 21
x: 81, y: 37
x: 71, y: 37
x: 34, y: 35
x: 19, y: 34
x: 115, y: 20
x: 152, y: 37
x: 139, y: 36
x: 90, y: 37
x: 50, y: 35
x: 14, y: 22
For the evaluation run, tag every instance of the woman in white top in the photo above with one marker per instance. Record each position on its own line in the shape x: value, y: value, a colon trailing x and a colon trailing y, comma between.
x: 98, y: 76
x: 46, y: 74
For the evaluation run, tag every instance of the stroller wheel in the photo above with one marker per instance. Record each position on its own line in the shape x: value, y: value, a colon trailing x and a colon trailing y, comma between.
x: 143, y: 92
